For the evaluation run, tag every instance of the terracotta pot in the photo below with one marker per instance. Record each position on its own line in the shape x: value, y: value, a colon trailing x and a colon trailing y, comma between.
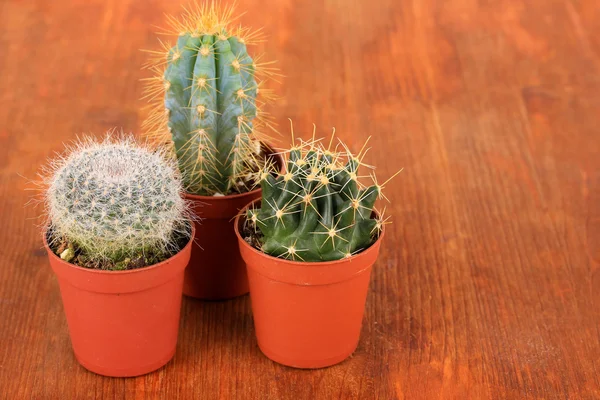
x: 307, y: 314
x: 122, y: 323
x: 216, y: 270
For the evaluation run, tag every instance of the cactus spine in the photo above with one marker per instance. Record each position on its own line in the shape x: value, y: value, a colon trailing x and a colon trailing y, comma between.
x: 115, y: 199
x: 210, y: 108
x: 317, y: 210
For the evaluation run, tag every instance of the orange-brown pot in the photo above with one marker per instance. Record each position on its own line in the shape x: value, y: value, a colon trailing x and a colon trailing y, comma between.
x: 216, y: 270
x: 307, y: 314
x: 122, y: 323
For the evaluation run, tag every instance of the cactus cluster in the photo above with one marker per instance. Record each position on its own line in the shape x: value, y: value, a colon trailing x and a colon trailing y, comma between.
x: 115, y: 199
x: 317, y: 209
x: 204, y: 101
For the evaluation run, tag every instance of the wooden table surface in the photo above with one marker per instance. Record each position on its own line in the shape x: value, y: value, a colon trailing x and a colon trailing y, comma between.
x: 488, y: 283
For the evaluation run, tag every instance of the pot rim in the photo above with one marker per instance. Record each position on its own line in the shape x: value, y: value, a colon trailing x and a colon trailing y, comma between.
x: 110, y: 272
x: 362, y: 253
x: 198, y: 197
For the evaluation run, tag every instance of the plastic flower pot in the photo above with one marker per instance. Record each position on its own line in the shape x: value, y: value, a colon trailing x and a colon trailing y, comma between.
x: 216, y: 270
x: 122, y: 323
x: 307, y: 314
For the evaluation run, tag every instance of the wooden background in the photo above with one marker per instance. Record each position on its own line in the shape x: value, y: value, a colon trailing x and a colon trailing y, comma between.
x: 488, y: 284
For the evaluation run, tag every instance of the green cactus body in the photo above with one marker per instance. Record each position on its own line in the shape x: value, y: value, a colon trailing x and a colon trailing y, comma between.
x: 317, y: 210
x: 115, y: 199
x: 210, y: 102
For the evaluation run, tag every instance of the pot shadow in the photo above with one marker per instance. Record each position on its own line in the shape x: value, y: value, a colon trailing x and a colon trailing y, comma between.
x: 219, y: 330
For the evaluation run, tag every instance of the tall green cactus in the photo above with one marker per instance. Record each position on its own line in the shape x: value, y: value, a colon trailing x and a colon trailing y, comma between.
x: 210, y: 102
x: 317, y: 210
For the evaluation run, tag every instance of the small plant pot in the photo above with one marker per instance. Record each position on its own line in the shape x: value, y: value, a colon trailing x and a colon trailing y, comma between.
x: 216, y: 270
x: 122, y: 323
x: 307, y: 314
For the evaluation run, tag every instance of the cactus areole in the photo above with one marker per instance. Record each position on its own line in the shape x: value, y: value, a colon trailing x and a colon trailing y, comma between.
x: 210, y: 109
x: 317, y: 209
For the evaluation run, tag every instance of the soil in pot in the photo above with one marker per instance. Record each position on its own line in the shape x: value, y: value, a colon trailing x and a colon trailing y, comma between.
x: 72, y: 253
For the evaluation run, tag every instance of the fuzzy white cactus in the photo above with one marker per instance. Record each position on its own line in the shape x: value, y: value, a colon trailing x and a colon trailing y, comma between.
x: 115, y: 199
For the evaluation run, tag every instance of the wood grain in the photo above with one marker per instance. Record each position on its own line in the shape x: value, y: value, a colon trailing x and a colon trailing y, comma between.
x: 488, y: 285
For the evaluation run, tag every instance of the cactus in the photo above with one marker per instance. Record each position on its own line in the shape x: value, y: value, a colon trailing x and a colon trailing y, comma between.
x: 317, y: 210
x: 210, y: 112
x: 115, y: 200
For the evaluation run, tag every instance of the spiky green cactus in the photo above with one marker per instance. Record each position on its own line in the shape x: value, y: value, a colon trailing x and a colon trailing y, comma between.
x: 210, y: 102
x: 317, y: 210
x: 115, y: 199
